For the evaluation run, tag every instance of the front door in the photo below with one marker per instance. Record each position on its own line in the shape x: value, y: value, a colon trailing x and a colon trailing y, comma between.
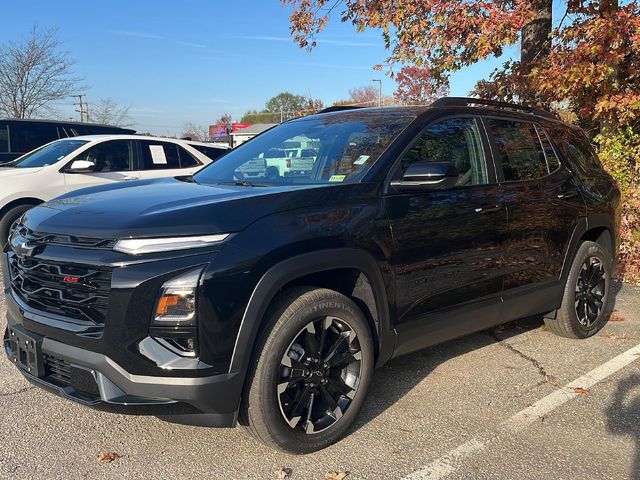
x: 448, y: 244
x: 113, y: 161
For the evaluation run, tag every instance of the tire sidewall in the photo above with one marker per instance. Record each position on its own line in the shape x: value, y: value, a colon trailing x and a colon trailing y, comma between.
x: 289, y: 439
x: 588, y: 250
x: 8, y: 220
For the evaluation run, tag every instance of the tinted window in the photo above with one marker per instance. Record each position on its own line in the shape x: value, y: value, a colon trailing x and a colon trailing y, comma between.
x: 29, y: 135
x: 519, y: 150
x: 348, y: 144
x: 111, y: 156
x: 552, y: 160
x: 577, y: 148
x: 211, y: 152
x: 186, y: 159
x: 159, y: 155
x: 46, y: 155
x: 456, y: 140
x: 4, y: 138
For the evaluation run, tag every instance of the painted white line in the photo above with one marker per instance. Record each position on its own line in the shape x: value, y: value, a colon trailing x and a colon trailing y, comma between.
x: 452, y: 461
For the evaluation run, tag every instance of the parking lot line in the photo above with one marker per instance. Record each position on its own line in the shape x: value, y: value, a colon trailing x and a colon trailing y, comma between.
x: 454, y: 459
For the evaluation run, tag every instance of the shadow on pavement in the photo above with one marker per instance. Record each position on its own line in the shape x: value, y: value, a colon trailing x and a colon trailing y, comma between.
x: 623, y: 416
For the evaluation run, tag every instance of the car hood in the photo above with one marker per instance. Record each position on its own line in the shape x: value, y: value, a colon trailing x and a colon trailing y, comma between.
x: 168, y: 207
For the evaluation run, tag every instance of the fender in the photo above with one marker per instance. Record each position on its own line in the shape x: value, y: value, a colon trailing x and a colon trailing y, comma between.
x: 295, y: 267
x: 590, y: 222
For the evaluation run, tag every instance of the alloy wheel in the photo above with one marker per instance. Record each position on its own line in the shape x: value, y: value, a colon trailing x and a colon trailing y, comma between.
x: 590, y: 291
x: 319, y: 375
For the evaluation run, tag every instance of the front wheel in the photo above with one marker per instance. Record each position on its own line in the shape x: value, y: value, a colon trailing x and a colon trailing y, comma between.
x: 312, y: 372
x: 8, y: 220
x: 586, y: 304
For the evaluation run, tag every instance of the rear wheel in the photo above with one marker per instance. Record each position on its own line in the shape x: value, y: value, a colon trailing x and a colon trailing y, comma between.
x: 312, y: 372
x: 586, y: 304
x: 8, y: 220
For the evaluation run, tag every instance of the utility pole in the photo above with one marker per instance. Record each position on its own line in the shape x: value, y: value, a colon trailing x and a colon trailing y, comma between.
x: 379, y: 90
x: 83, y: 107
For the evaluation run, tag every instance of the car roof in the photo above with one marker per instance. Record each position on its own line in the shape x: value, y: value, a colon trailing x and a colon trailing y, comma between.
x: 120, y: 136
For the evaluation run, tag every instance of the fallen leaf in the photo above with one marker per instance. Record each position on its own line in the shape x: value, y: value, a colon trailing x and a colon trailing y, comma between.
x: 613, y: 336
x: 108, y: 457
x: 581, y: 391
x: 335, y: 475
x: 542, y: 418
x: 283, y: 473
x: 616, y: 318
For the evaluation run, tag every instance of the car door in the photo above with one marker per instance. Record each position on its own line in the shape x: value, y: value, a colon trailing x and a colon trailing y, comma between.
x: 165, y: 159
x: 113, y: 160
x: 447, y: 244
x: 543, y: 206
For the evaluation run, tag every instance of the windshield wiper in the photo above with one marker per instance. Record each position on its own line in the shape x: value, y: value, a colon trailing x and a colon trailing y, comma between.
x: 242, y: 183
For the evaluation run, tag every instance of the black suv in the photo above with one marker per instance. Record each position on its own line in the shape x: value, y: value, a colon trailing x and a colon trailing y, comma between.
x: 269, y: 300
x: 18, y: 136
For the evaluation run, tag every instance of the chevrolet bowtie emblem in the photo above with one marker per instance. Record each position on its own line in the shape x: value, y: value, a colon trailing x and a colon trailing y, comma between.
x: 21, y: 246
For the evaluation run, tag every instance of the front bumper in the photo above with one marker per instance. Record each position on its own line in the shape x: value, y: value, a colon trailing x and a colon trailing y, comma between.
x: 124, y: 369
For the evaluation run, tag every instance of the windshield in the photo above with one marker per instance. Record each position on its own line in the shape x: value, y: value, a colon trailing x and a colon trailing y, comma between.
x: 47, y: 155
x: 314, y: 150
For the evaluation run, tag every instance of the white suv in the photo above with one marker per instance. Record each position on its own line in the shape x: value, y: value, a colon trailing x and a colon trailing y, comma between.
x: 69, y: 164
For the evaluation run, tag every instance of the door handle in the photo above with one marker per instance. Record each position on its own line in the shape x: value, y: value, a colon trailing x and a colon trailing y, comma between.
x: 488, y: 209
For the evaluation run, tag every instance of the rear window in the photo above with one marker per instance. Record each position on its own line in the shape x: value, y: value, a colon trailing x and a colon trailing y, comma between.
x: 28, y: 136
x: 211, y: 152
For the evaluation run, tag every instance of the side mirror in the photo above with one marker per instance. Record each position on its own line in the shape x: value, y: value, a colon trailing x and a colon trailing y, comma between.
x: 427, y: 176
x: 81, y: 166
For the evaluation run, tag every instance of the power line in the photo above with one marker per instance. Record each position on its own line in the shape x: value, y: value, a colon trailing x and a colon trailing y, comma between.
x: 83, y: 107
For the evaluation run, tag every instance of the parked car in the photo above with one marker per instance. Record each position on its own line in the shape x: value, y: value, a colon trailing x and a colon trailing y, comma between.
x: 18, y: 136
x: 271, y: 303
x: 66, y: 165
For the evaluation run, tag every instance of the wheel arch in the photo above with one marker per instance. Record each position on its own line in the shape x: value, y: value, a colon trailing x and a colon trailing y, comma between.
x: 18, y: 202
x: 314, y: 268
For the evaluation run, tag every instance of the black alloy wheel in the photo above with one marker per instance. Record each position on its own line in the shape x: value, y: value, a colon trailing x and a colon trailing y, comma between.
x: 319, y: 375
x: 591, y: 289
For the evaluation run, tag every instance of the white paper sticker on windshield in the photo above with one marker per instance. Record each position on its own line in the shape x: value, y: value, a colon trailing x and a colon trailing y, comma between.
x: 361, y: 159
x: 157, y: 155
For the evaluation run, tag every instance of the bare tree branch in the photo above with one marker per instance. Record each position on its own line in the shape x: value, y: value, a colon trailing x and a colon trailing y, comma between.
x: 109, y: 112
x: 34, y: 74
x: 197, y: 133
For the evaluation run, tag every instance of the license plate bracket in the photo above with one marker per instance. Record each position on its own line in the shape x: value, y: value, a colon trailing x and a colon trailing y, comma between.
x: 26, y: 352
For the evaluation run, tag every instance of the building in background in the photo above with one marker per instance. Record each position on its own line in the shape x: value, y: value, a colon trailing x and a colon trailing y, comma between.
x: 241, y: 135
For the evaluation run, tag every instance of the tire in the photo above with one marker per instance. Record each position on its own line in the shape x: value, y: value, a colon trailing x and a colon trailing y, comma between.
x: 579, y: 315
x: 275, y: 408
x: 8, y: 220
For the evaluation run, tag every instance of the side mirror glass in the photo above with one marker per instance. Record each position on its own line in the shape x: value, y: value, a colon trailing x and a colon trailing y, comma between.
x: 81, y: 166
x: 427, y: 176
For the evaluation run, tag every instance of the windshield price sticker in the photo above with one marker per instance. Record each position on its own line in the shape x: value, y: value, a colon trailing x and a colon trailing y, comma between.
x: 337, y: 178
x: 361, y: 160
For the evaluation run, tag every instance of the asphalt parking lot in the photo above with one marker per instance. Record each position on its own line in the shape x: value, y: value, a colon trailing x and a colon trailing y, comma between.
x: 512, y: 402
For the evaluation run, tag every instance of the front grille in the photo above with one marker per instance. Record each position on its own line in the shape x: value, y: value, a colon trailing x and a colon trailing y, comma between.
x: 57, y: 369
x: 73, y: 291
x: 65, y: 240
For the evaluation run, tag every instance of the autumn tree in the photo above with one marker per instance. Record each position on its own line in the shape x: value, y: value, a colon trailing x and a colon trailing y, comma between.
x: 195, y: 131
x: 417, y: 86
x: 34, y: 74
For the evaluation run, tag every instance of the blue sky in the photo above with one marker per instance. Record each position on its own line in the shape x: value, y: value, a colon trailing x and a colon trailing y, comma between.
x: 174, y: 62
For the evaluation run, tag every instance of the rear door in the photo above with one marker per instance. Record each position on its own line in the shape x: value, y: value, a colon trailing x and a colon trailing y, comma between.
x: 448, y: 244
x: 165, y: 159
x: 543, y: 206
x: 114, y: 161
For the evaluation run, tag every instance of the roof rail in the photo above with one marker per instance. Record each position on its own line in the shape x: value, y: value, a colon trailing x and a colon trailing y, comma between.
x: 468, y: 102
x: 339, y: 108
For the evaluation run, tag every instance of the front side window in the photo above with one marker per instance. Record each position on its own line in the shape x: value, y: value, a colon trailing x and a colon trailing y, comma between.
x: 47, y: 155
x: 26, y: 136
x: 159, y: 155
x: 110, y: 156
x: 339, y: 148
x: 519, y: 149
x: 457, y: 141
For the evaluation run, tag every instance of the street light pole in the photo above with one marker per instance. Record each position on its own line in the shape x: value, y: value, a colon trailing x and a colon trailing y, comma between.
x: 379, y: 90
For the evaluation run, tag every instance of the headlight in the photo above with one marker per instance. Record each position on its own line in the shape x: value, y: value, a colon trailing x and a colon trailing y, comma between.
x: 176, y: 305
x: 137, y: 246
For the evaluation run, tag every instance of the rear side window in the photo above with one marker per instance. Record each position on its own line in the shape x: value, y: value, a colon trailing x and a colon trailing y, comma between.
x: 28, y: 136
x: 4, y: 138
x: 576, y: 147
x: 519, y: 150
x: 159, y: 155
x: 186, y: 159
